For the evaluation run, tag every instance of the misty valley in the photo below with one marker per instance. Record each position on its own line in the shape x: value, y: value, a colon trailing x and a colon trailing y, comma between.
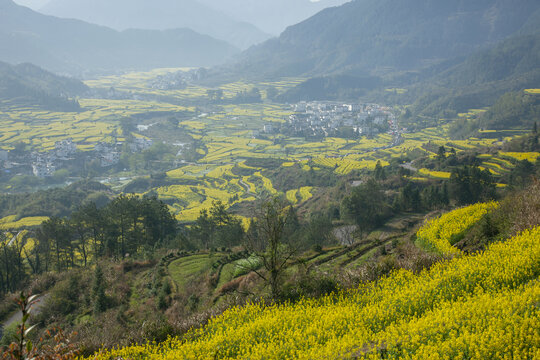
x: 297, y: 179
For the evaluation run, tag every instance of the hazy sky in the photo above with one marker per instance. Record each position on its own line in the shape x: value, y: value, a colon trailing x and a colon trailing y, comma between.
x: 36, y: 4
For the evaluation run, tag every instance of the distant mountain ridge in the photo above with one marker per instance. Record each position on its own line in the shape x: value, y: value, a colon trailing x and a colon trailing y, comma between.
x: 159, y: 15
x: 381, y: 36
x: 30, y: 85
x: 271, y: 16
x: 73, y: 46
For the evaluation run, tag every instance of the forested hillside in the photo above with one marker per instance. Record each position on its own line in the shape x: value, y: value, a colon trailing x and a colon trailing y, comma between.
x: 450, y: 75
x: 331, y: 88
x: 382, y: 36
x: 480, y: 79
x: 27, y: 84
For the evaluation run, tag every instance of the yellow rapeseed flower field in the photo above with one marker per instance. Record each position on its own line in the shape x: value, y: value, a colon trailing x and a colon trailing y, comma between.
x: 482, y: 306
x: 437, y: 234
x: 530, y: 156
x: 306, y: 192
x: 11, y: 222
x: 292, y: 196
x: 435, y: 174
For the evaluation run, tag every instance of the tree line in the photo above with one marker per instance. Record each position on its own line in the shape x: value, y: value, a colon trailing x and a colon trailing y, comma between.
x: 127, y: 226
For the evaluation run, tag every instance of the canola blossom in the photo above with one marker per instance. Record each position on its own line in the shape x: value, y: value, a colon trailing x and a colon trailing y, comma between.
x: 481, y: 306
x: 435, y: 174
x: 437, y: 234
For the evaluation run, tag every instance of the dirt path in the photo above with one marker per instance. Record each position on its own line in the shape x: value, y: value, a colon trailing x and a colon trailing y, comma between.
x: 409, y: 166
x: 14, y: 238
x: 17, y: 317
x: 248, y: 188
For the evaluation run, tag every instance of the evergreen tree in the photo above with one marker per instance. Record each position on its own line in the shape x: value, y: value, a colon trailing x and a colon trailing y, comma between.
x: 441, y: 154
x: 98, y: 291
x: 380, y: 173
x: 410, y: 198
x: 367, y: 206
x: 216, y: 227
x: 469, y: 185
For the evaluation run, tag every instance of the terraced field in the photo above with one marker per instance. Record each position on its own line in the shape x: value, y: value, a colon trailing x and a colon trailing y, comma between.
x: 438, y: 235
x: 224, y: 137
x: 97, y: 121
x: 481, y: 306
x: 12, y: 223
x: 137, y: 83
x: 227, y: 267
x: 435, y: 174
x: 190, y: 268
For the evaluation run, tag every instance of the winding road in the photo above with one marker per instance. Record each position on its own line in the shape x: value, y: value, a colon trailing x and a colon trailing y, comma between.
x: 248, y: 188
x: 17, y: 317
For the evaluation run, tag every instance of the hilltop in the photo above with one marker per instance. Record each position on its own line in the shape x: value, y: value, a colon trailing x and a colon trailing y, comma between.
x: 29, y: 85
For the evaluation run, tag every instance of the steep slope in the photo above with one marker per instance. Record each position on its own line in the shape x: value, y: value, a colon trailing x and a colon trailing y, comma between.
x: 30, y: 85
x: 158, y: 15
x: 271, y: 16
x: 379, y: 36
x: 510, y: 58
x: 334, y: 87
x: 74, y: 46
x: 477, y: 306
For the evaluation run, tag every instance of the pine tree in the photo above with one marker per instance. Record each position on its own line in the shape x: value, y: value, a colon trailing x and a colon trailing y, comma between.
x: 441, y: 153
x: 380, y: 173
x: 98, y: 291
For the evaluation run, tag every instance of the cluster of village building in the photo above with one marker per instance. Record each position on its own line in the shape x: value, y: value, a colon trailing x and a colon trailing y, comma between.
x: 325, y: 118
x: 176, y: 80
x: 44, y: 164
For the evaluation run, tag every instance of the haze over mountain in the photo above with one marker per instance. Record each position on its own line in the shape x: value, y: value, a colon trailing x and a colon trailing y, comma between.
x: 158, y: 15
x: 382, y: 36
x: 32, y: 4
x: 73, y: 46
x: 272, y: 16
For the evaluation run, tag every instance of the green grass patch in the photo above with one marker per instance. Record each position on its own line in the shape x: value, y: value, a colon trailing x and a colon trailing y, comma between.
x: 188, y: 268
